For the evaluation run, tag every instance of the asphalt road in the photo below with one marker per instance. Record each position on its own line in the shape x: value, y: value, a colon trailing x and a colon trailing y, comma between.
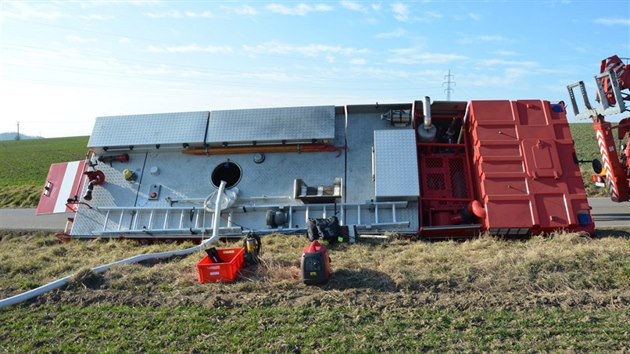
x: 606, y: 214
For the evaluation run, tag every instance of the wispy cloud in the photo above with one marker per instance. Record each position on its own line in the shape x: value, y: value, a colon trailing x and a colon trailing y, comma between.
x: 202, y: 14
x: 178, y: 14
x: 96, y: 17
x: 414, y: 56
x: 399, y: 32
x: 191, y: 48
x: 299, y: 9
x: 610, y: 21
x: 30, y: 10
x: 354, y: 6
x: 272, y: 76
x: 474, y: 16
x: 172, y: 14
x: 495, y: 62
x: 401, y: 11
x: 310, y: 50
x: 358, y: 61
x: 428, y: 16
x: 473, y: 39
x: 79, y: 39
x: 244, y: 10
x: 86, y: 4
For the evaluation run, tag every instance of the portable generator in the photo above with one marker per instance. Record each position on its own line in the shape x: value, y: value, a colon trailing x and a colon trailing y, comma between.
x: 315, y: 264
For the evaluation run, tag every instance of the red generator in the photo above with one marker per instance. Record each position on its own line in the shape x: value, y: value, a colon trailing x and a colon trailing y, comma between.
x: 315, y: 264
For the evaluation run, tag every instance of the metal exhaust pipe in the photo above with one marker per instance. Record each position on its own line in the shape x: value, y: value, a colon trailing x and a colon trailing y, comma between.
x: 427, y: 131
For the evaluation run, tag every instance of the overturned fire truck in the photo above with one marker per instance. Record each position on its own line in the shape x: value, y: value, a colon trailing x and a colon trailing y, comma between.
x: 428, y: 169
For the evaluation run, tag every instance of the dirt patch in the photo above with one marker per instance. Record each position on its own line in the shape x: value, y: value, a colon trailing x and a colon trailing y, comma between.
x: 94, y: 290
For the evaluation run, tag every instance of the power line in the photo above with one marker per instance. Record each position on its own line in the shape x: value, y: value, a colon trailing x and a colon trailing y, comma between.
x: 448, y: 83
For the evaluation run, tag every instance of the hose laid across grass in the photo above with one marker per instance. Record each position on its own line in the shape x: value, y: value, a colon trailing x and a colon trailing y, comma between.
x: 135, y: 259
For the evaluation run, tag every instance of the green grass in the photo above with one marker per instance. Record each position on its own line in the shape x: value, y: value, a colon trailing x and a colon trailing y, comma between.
x: 565, y: 292
x: 24, y: 166
x: 106, y: 328
x: 586, y: 149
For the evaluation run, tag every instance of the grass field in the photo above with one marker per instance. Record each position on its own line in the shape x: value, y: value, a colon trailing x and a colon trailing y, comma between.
x: 24, y: 165
x: 586, y: 149
x: 562, y: 293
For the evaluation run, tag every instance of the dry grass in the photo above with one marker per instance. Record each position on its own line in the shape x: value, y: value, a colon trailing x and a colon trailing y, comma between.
x: 561, y: 293
x: 563, y: 269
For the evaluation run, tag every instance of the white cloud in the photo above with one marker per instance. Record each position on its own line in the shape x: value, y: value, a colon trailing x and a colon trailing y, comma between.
x: 96, y: 17
x: 354, y: 6
x: 474, y: 16
x: 505, y: 53
x: 469, y: 39
x: 191, y: 48
x: 271, y: 76
x: 171, y: 14
x: 79, y: 39
x: 85, y: 4
x: 399, y: 32
x: 203, y: 14
x: 177, y: 14
x: 29, y: 10
x: 124, y: 40
x: 413, y: 56
x: 401, y: 11
x: 244, y: 10
x: 310, y: 50
x: 613, y: 21
x: 358, y: 61
x: 429, y: 16
x: 299, y: 9
x: 495, y: 62
x: 376, y: 6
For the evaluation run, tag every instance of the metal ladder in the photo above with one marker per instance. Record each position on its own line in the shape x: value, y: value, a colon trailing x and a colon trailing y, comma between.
x: 187, y: 222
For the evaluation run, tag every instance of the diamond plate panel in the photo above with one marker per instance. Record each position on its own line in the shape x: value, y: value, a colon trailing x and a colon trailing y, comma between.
x: 395, y: 164
x: 149, y: 129
x: 268, y: 125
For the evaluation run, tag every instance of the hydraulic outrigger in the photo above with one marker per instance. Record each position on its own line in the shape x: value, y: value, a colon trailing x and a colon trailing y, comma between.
x: 613, y: 171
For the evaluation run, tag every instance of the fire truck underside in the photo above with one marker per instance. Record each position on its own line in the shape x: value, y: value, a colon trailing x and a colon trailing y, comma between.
x: 444, y: 169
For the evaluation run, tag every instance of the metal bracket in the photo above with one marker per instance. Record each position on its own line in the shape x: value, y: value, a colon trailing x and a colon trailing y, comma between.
x: 606, y: 108
x: 576, y: 110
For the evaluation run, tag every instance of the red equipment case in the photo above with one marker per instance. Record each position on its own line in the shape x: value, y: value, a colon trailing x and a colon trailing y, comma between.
x: 221, y: 272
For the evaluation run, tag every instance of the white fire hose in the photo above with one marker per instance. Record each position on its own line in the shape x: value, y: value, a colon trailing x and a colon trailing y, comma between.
x: 135, y: 259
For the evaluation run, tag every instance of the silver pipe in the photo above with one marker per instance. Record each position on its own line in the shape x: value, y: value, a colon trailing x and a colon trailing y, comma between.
x: 217, y: 211
x: 426, y: 110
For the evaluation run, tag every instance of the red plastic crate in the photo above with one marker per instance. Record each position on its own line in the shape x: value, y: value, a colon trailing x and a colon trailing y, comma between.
x: 232, y: 258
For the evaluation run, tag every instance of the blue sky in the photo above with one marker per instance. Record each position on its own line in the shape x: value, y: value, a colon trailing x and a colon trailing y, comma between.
x: 63, y: 63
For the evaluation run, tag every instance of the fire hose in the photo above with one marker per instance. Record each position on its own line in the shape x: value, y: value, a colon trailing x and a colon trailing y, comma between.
x: 135, y: 259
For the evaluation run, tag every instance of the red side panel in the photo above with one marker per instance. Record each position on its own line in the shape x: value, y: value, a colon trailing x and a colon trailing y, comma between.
x: 65, y: 180
x: 523, y: 157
